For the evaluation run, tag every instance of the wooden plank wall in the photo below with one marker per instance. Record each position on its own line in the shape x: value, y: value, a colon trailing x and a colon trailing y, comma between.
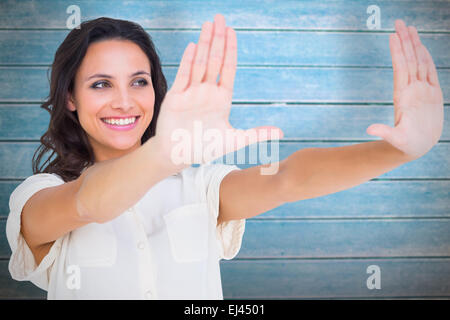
x: 312, y: 68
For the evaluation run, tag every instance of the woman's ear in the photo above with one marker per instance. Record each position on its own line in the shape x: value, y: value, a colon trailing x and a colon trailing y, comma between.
x: 71, y: 102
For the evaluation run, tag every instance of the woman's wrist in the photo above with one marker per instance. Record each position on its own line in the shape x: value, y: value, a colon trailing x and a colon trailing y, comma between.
x: 160, y: 151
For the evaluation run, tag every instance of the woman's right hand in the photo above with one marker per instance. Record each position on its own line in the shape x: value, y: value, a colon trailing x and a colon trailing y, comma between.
x: 197, y: 107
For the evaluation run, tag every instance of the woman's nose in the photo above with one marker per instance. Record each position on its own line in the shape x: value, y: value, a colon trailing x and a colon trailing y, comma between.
x: 122, y: 100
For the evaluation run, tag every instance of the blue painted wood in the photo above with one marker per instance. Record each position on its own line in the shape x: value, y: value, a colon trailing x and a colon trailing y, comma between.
x: 16, y: 159
x: 6, y: 188
x: 386, y: 199
x: 334, y: 278
x: 319, y: 122
x: 290, y: 51
x: 292, y: 84
x: 346, y: 238
x: 12, y: 289
x: 254, y: 47
x: 13, y: 118
x: 310, y: 14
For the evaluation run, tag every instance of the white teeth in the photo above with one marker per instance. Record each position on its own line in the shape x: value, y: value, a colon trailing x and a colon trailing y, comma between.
x: 120, y: 122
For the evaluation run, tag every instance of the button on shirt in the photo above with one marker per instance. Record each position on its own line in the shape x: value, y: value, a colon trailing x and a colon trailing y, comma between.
x: 166, y: 246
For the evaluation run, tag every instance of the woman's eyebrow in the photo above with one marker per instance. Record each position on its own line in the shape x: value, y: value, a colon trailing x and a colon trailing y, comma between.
x: 102, y: 75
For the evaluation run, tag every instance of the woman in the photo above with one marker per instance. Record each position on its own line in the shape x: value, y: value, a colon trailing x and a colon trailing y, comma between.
x: 116, y: 215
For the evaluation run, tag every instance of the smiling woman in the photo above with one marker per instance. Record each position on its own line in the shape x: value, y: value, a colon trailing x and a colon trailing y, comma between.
x: 106, y: 69
x: 119, y: 96
x: 113, y: 206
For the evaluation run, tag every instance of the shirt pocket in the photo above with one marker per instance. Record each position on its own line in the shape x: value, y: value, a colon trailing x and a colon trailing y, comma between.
x: 93, y: 245
x: 187, y: 228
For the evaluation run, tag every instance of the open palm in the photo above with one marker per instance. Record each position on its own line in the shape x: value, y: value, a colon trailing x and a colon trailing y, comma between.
x: 197, y: 108
x: 418, y: 100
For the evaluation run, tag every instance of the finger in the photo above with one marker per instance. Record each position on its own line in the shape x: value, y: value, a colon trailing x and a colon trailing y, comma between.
x: 432, y: 73
x: 184, y: 70
x: 217, y: 49
x: 408, y: 50
x: 228, y: 71
x: 380, y: 130
x: 422, y: 65
x: 201, y: 55
x: 391, y: 135
x: 399, y: 65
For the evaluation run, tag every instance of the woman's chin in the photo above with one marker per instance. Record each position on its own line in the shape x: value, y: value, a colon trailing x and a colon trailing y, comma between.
x: 123, y: 146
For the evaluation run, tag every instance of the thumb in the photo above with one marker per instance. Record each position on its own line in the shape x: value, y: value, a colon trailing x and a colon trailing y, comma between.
x: 380, y: 130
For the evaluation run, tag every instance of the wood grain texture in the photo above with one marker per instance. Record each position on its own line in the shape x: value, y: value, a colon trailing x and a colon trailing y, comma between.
x: 284, y: 48
x: 12, y: 289
x: 334, y: 278
x: 313, y: 69
x: 252, y: 14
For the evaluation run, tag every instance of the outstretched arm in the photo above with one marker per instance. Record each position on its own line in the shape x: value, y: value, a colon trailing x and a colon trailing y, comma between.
x: 314, y: 172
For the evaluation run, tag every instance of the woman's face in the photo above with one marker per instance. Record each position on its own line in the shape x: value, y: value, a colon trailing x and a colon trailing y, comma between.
x: 113, y: 82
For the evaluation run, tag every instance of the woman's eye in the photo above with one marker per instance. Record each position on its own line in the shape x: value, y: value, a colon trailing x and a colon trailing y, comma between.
x: 96, y: 84
x: 143, y: 82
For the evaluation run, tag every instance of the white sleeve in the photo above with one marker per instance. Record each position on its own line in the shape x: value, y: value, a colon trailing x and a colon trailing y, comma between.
x: 229, y: 233
x: 22, y: 265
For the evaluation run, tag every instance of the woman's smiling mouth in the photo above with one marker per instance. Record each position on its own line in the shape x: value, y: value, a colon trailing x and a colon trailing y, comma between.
x: 121, y: 124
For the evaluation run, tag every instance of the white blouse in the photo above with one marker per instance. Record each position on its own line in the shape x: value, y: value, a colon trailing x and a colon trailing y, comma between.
x: 167, y: 246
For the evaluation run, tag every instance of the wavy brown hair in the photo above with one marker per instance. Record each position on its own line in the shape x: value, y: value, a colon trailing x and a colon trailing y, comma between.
x: 65, y: 137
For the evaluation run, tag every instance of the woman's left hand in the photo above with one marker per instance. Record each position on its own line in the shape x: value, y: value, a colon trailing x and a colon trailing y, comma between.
x: 418, y: 99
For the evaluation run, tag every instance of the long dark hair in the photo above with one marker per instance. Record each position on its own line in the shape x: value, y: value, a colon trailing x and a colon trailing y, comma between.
x: 65, y: 137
